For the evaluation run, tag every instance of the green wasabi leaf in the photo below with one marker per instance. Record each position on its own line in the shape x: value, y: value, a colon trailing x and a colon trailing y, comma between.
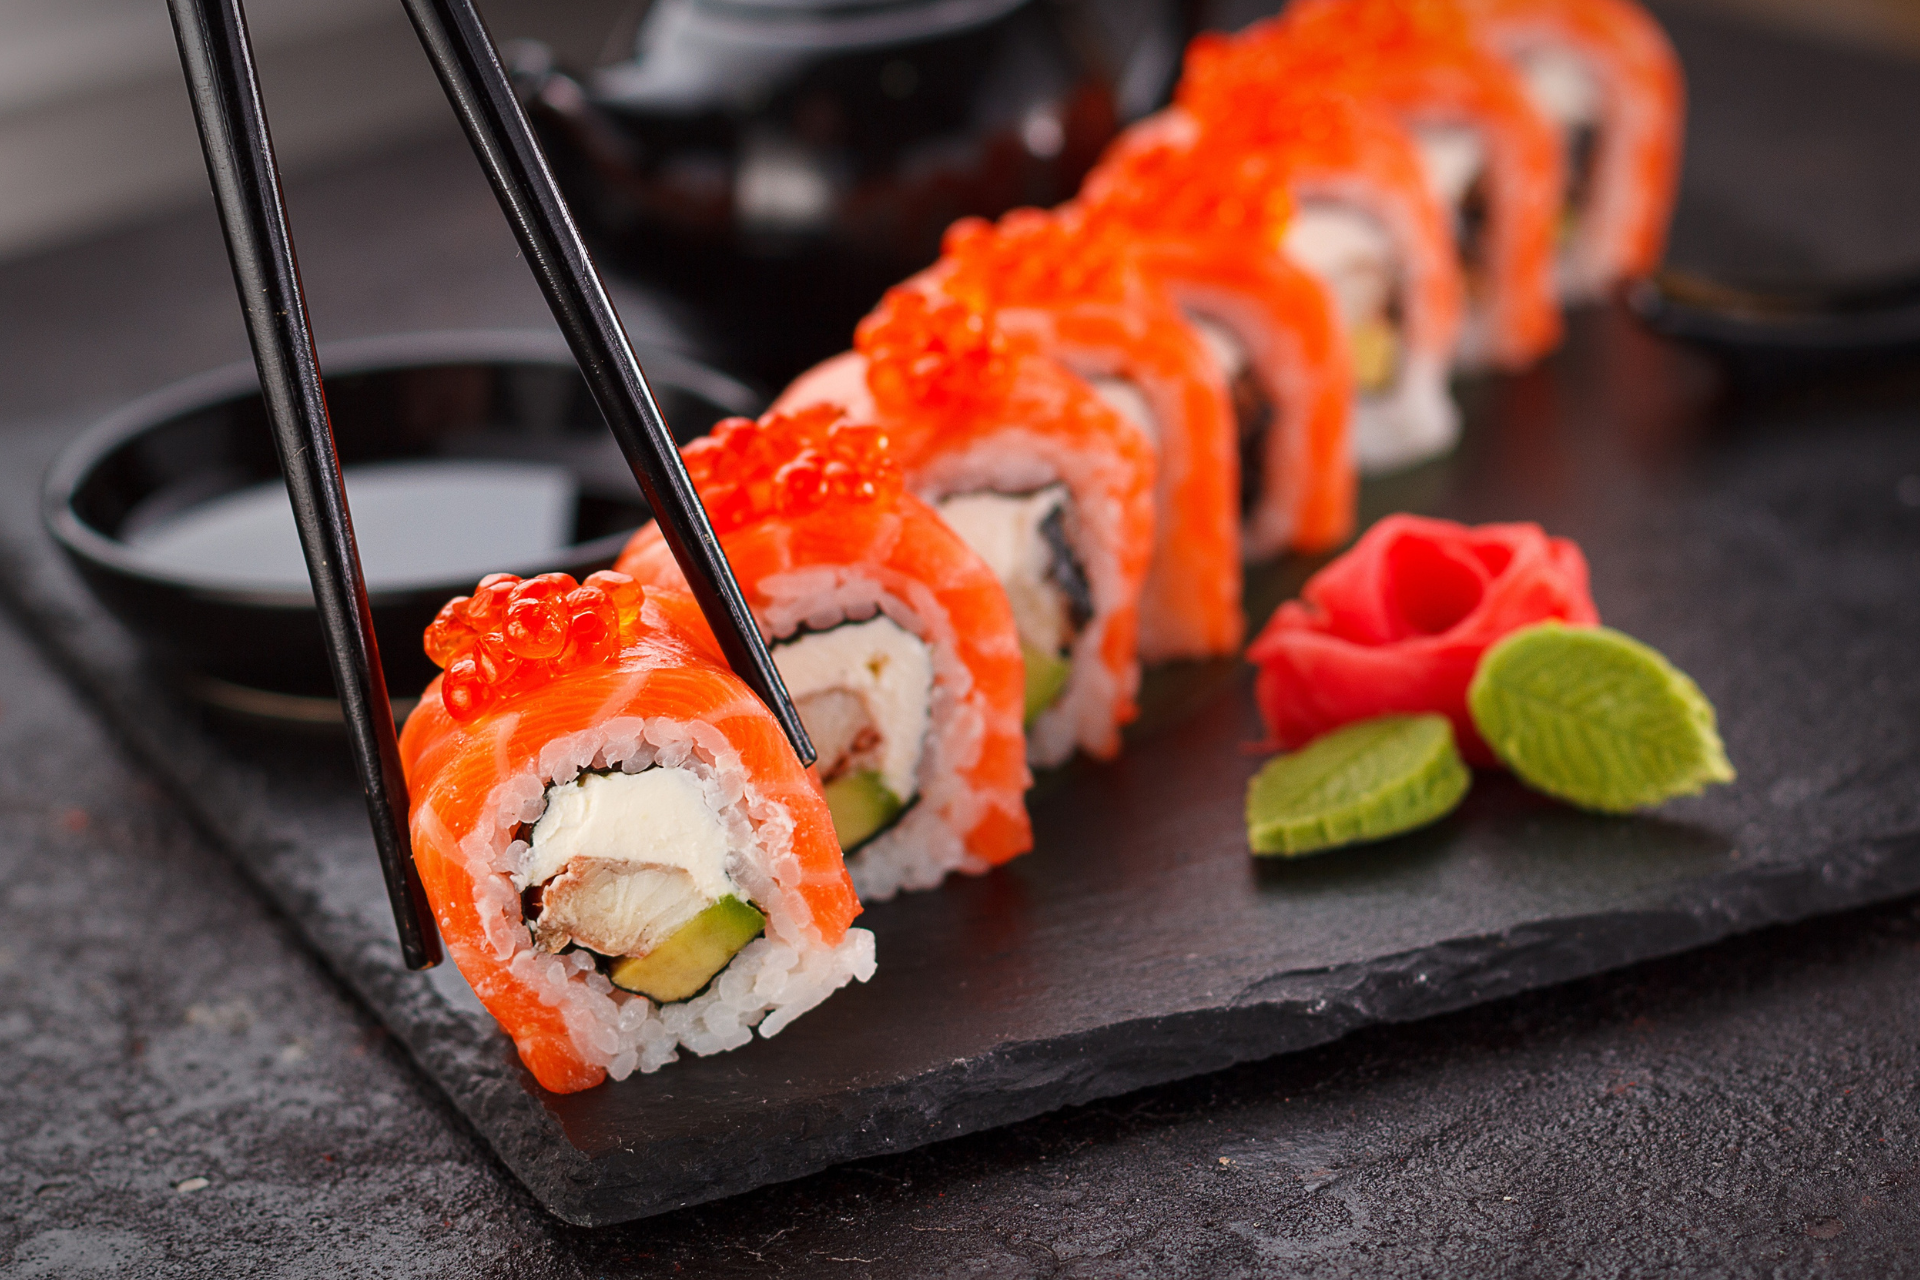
x: 1366, y: 781
x: 1596, y: 718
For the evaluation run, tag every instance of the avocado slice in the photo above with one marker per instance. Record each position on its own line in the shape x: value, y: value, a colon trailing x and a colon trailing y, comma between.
x: 698, y: 949
x: 1375, y: 348
x: 1047, y: 675
x: 861, y: 806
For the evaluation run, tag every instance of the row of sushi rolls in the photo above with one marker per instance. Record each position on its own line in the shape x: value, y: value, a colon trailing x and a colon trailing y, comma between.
x: 1045, y: 461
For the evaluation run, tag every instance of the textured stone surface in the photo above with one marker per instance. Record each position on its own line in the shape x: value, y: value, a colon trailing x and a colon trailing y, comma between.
x: 1745, y: 1056
x: 1139, y: 944
x: 1751, y: 1109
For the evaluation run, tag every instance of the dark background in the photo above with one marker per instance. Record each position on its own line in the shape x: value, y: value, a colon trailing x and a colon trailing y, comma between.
x: 1750, y: 1109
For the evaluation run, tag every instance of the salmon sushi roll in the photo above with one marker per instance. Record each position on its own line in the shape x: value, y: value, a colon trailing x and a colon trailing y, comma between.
x: 1490, y: 155
x: 1040, y: 476
x: 1362, y: 220
x: 894, y: 639
x: 1082, y: 297
x: 1207, y: 226
x: 623, y: 854
x: 1607, y: 77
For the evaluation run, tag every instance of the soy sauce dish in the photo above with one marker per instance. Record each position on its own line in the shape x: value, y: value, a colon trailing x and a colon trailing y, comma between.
x: 463, y: 454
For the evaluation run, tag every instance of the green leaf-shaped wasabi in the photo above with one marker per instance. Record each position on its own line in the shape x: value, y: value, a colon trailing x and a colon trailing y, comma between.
x: 1596, y: 718
x: 1366, y: 781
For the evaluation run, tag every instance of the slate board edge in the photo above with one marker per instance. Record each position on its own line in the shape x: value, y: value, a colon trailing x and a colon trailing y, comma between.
x: 1286, y: 1013
x: 1294, y: 1012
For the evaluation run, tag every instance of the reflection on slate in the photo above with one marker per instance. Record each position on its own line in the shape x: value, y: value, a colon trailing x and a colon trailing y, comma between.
x: 1773, y: 559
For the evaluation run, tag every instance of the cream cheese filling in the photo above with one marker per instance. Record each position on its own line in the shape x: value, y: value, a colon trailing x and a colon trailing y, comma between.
x: 1562, y: 85
x: 1006, y: 531
x: 1352, y: 254
x: 1454, y: 156
x: 623, y: 860
x: 1124, y: 396
x: 864, y: 691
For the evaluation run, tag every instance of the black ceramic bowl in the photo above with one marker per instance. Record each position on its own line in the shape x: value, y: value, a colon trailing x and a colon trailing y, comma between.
x: 425, y: 400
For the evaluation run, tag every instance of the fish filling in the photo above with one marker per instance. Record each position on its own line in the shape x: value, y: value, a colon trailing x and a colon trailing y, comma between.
x: 864, y: 690
x: 1351, y: 252
x: 1027, y: 540
x: 1455, y: 159
x: 1565, y: 89
x: 1253, y: 409
x: 632, y: 868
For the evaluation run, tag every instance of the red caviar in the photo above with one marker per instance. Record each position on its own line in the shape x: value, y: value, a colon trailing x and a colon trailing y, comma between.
x: 515, y: 634
x: 1201, y: 188
x: 1226, y: 85
x: 1033, y: 257
x: 788, y: 465
x: 1324, y: 43
x: 936, y: 354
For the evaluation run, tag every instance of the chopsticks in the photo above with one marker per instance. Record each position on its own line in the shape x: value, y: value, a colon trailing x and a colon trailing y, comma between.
x: 476, y: 84
x: 218, y: 62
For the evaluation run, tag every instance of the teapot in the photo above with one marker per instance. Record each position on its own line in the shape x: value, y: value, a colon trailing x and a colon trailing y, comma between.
x: 777, y: 164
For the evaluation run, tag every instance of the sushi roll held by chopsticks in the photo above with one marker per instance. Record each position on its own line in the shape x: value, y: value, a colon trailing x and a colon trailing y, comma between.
x: 1038, y: 474
x: 623, y: 853
x: 894, y: 638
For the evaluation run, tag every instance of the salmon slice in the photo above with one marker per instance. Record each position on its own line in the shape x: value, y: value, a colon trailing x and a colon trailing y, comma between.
x: 1298, y: 161
x: 790, y: 541
x: 661, y: 666
x: 1208, y: 227
x: 1078, y: 291
x: 969, y: 407
x: 1608, y: 76
x: 1485, y: 145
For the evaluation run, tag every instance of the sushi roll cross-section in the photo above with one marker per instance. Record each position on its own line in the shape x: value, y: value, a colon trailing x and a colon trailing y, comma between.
x: 623, y: 854
x: 1080, y: 293
x: 1207, y: 225
x: 1488, y: 153
x: 1361, y: 220
x: 895, y: 639
x: 1042, y: 477
x: 1605, y: 75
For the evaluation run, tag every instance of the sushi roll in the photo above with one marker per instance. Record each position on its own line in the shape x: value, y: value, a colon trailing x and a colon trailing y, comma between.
x: 1489, y: 154
x: 1362, y: 221
x: 1208, y: 227
x: 1605, y: 74
x: 894, y: 639
x: 1081, y: 296
x: 1038, y: 474
x: 623, y: 854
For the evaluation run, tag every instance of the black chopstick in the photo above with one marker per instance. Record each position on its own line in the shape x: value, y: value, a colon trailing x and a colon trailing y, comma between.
x: 476, y: 84
x: 218, y: 61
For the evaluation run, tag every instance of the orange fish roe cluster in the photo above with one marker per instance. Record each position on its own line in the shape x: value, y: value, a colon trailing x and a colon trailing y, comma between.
x: 512, y: 635
x: 789, y: 464
x: 936, y: 354
x: 1322, y: 43
x: 1033, y: 257
x: 1202, y: 189
x: 1229, y: 83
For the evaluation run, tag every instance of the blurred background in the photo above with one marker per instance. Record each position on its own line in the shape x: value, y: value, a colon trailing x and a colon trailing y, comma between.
x: 763, y: 170
x: 95, y: 131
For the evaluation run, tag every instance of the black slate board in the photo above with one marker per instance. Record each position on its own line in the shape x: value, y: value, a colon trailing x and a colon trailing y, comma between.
x: 1775, y: 556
